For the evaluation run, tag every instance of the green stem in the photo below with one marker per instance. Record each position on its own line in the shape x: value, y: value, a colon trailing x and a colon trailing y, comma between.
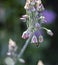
x: 24, y: 47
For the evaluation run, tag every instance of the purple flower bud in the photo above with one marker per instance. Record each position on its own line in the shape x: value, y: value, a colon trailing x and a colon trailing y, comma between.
x: 40, y: 38
x: 34, y: 39
x: 37, y: 25
x: 26, y: 34
x: 38, y: 32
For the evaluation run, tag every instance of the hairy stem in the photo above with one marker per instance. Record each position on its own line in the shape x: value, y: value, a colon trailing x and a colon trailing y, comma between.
x: 24, y: 47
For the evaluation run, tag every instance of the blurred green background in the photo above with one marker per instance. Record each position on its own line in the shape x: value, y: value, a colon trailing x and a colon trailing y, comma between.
x: 12, y: 27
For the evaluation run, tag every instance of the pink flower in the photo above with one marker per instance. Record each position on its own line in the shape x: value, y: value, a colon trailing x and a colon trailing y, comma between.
x: 26, y: 34
x: 34, y: 39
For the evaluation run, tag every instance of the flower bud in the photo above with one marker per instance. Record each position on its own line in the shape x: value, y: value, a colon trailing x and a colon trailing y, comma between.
x: 32, y: 9
x: 49, y: 32
x: 28, y: 1
x: 25, y: 16
x: 32, y: 3
x: 37, y: 25
x: 40, y: 38
x: 12, y: 43
x: 38, y: 1
x: 26, y: 34
x: 42, y: 17
x: 26, y: 6
x: 34, y: 39
x: 12, y: 47
x: 39, y: 7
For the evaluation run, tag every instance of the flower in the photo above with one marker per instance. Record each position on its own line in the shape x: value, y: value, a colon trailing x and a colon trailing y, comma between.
x: 49, y: 32
x: 26, y: 6
x: 49, y: 16
x: 36, y: 17
x: 26, y: 34
x: 25, y: 16
x: 34, y: 39
x: 42, y: 17
x: 39, y: 6
x: 12, y: 47
x: 37, y: 25
x: 38, y: 33
x: 40, y: 38
x: 32, y: 2
x: 32, y: 9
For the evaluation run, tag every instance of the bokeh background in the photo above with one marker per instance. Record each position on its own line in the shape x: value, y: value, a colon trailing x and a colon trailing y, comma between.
x: 12, y: 27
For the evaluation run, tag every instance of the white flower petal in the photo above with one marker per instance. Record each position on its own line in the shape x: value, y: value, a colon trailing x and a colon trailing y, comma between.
x: 49, y: 32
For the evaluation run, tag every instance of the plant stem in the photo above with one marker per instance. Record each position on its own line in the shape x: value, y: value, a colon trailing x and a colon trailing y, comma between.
x: 24, y: 47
